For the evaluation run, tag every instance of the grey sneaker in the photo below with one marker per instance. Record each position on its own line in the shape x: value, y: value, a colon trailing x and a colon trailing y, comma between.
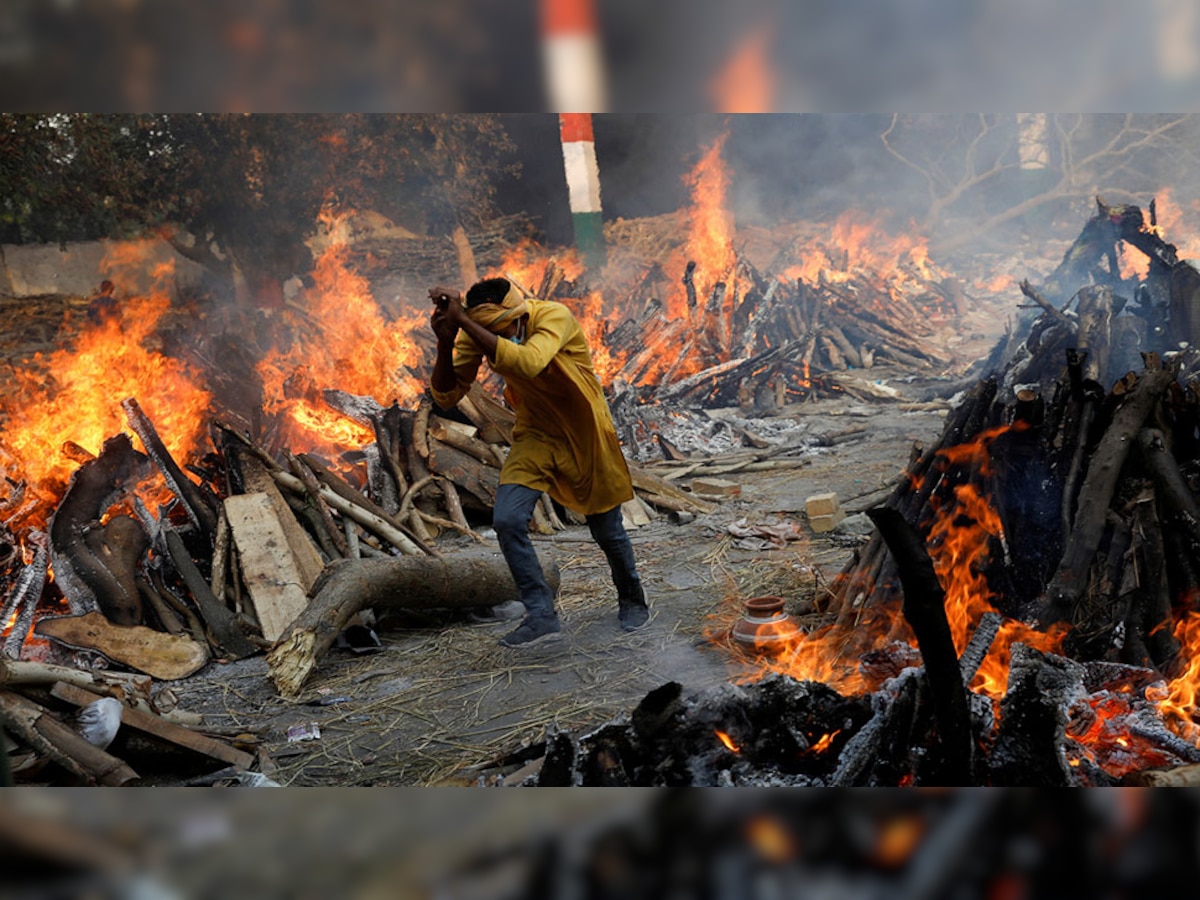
x: 533, y: 631
x: 633, y: 615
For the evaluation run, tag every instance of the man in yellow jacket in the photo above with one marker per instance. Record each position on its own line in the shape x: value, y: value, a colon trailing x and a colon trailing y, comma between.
x: 564, y: 440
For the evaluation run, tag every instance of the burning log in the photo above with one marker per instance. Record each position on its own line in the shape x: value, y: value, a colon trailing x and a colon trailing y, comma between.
x: 924, y: 607
x: 471, y: 578
x: 25, y: 595
x: 201, y: 515
x: 81, y: 562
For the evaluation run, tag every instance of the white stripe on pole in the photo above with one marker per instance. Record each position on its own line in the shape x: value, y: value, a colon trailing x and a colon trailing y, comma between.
x: 583, y: 176
x: 574, y: 72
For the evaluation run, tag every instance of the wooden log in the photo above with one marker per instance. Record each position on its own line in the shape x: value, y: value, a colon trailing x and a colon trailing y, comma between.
x: 220, y: 557
x: 1181, y: 777
x: 384, y: 527
x: 167, y: 617
x: 354, y: 504
x: 1096, y: 311
x: 84, y: 577
x: 420, y: 439
x: 468, y: 473
x: 164, y: 656
x: 657, y: 487
x: 119, y: 684
x: 1050, y: 309
x: 386, y: 440
x: 259, y: 473
x: 33, y: 724
x: 470, y: 445
x: 474, y: 577
x: 1176, y: 504
x: 495, y: 414
x: 312, y: 488
x: 221, y: 623
x: 276, y: 587
x: 25, y: 595
x: 159, y: 727
x: 924, y: 607
x: 1095, y: 495
x: 197, y: 508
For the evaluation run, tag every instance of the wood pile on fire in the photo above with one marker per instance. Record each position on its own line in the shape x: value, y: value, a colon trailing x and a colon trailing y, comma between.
x: 1025, y: 612
x: 757, y: 338
x: 248, y: 551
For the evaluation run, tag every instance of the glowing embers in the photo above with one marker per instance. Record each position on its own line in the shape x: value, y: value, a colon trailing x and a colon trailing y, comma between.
x: 764, y: 627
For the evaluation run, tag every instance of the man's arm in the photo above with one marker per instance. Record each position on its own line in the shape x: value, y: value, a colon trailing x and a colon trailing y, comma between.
x: 446, y: 379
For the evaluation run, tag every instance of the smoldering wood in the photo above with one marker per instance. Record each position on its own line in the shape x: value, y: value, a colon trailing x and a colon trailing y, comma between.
x: 1095, y: 495
x: 26, y: 594
x: 924, y: 607
x: 474, y: 577
x: 83, y: 575
x: 198, y: 511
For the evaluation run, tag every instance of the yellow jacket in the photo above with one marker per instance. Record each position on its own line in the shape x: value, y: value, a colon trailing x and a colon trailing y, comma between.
x: 564, y: 440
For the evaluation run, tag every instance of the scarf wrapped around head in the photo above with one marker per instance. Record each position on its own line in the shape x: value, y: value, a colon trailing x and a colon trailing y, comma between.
x: 494, y: 316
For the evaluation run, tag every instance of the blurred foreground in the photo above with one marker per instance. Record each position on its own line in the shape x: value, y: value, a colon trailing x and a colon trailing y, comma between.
x: 597, y: 844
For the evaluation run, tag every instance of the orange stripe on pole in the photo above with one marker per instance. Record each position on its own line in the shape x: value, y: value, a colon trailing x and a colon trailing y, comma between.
x: 568, y: 17
x: 575, y: 127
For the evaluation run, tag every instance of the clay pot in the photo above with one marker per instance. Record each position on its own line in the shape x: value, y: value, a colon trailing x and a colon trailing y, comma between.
x: 764, y: 626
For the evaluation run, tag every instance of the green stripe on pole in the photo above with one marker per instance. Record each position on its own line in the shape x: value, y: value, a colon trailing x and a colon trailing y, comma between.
x: 589, y: 238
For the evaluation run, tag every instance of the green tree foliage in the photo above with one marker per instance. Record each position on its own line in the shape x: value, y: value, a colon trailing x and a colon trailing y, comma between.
x: 253, y: 185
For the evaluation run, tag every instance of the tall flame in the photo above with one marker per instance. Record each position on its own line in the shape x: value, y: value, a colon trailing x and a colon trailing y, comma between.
x: 347, y: 344
x: 74, y: 394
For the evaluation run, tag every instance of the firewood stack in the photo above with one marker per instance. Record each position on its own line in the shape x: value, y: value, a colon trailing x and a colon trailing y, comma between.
x: 759, y: 341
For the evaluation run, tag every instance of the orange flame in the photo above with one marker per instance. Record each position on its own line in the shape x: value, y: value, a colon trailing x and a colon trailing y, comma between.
x: 825, y: 742
x: 959, y: 543
x: 74, y: 394
x: 1177, y: 704
x: 729, y: 742
x: 771, y: 839
x: 746, y: 83
x: 898, y: 838
x: 349, y: 346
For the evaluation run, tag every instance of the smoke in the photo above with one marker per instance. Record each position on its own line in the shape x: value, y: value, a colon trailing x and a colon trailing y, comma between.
x: 455, y: 55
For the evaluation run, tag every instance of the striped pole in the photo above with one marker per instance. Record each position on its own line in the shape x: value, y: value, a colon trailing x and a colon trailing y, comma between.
x: 572, y: 56
x: 583, y: 185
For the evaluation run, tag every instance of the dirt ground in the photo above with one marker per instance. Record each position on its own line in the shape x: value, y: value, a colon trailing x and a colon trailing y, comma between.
x: 440, y: 699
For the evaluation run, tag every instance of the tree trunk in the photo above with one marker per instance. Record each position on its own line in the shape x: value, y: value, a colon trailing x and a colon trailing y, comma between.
x: 471, y: 578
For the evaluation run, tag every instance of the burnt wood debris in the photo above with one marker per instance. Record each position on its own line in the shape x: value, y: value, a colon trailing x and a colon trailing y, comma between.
x: 1087, y: 420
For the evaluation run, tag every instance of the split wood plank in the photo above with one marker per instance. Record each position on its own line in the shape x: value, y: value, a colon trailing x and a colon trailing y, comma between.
x: 156, y: 653
x: 304, y: 552
x: 278, y: 588
x: 159, y: 727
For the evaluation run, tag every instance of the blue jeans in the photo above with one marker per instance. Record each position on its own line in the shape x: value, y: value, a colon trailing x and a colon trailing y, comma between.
x: 510, y: 518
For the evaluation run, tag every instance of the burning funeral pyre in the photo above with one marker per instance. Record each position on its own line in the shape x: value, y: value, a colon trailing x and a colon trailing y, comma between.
x: 1024, y: 613
x: 160, y: 559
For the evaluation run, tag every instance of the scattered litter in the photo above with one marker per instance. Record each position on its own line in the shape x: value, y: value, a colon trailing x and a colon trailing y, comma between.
x: 307, y: 731
x: 763, y: 537
x: 99, y: 721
